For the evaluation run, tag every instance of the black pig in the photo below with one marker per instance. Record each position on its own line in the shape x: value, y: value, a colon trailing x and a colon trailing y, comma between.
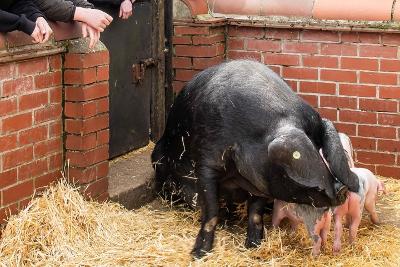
x: 238, y: 129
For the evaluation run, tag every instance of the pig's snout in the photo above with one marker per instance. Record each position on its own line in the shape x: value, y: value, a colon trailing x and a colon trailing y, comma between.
x: 341, y: 193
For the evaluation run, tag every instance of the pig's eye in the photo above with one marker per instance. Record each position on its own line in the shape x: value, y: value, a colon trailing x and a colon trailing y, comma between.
x: 296, y: 155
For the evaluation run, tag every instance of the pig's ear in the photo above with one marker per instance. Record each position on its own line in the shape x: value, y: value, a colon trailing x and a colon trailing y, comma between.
x: 335, y: 156
x: 299, y: 162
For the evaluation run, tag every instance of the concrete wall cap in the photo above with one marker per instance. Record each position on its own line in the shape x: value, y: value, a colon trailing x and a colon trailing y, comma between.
x: 355, y: 10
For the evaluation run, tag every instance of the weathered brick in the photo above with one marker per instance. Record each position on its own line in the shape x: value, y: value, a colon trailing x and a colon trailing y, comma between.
x: 376, y: 131
x: 17, y: 192
x: 200, y: 50
x: 17, y: 122
x: 338, y: 102
x: 17, y: 86
x: 357, y: 90
x: 88, y: 92
x: 329, y: 113
x: 375, y: 157
x: 320, y: 61
x: 35, y: 100
x: 246, y: 32
x: 33, y: 135
x: 353, y: 63
x: 389, y: 92
x: 263, y: 45
x: 388, y: 145
x: 377, y: 105
x: 388, y: 171
x: 47, y: 147
x: 96, y: 188
x: 364, y: 143
x: 186, y: 30
x: 389, y: 119
x: 378, y: 51
x: 103, y: 73
x: 300, y: 73
x: 32, y: 66
x: 85, y: 126
x: 79, y: 142
x: 48, y: 80
x: 338, y: 75
x: 181, y: 40
x: 378, y: 78
x: 47, y: 179
x: 318, y: 87
x: 203, y: 63
x: 236, y: 43
x: 303, y: 48
x: 17, y: 157
x: 210, y: 39
x: 8, y: 106
x: 51, y: 112
x: 182, y: 63
x: 81, y: 76
x: 244, y: 55
x: 320, y: 36
x: 33, y: 169
x: 184, y: 75
x: 390, y: 65
x: 339, y: 49
x: 358, y: 116
x: 87, y: 158
x: 8, y: 142
x: 281, y: 59
x: 88, y: 60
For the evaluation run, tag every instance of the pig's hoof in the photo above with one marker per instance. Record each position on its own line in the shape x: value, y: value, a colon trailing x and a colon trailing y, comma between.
x: 198, y: 253
x: 203, y: 244
x: 252, y: 243
x: 336, y: 249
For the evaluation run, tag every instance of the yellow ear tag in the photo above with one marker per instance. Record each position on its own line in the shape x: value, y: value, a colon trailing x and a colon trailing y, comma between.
x: 296, y: 155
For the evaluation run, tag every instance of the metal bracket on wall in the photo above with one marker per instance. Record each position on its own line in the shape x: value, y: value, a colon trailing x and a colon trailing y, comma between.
x: 139, y: 69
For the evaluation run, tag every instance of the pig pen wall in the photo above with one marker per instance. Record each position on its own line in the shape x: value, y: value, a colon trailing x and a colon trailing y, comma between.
x: 351, y: 78
x: 53, y: 110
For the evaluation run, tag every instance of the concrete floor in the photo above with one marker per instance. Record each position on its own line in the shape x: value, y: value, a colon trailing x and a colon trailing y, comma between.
x: 130, y: 178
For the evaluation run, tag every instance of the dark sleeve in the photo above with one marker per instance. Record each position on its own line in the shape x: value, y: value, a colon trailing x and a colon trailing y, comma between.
x: 82, y: 3
x: 57, y: 10
x: 26, y: 7
x: 11, y: 22
x: 106, y: 2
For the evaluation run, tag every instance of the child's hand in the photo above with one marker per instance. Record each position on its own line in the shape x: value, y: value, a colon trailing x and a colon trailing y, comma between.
x: 92, y: 33
x: 36, y: 35
x: 44, y: 30
x: 125, y: 10
x: 95, y: 18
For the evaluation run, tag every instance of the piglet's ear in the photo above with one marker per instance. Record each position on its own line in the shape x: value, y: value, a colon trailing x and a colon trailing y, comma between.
x: 335, y: 156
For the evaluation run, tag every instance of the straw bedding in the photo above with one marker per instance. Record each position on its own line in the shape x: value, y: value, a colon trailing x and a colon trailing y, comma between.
x: 60, y: 228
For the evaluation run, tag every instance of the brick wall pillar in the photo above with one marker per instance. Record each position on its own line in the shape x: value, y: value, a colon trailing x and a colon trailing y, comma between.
x: 86, y: 115
x: 195, y: 49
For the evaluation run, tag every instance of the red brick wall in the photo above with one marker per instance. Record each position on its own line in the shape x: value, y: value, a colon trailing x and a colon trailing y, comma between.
x: 53, y: 109
x: 350, y: 78
x: 87, y: 120
x: 196, y: 48
x: 31, y: 128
